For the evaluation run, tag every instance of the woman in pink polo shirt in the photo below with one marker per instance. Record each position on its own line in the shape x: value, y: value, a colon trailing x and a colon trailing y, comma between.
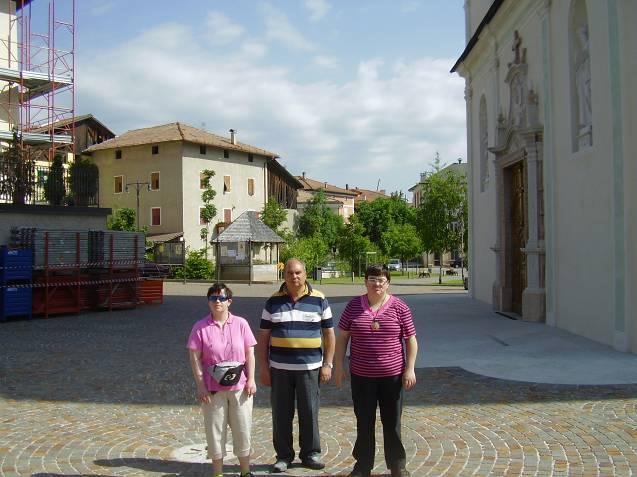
x: 382, y: 358
x: 217, y: 338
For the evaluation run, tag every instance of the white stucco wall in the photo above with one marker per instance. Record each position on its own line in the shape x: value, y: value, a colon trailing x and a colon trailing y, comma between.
x: 628, y: 41
x: 237, y: 199
x: 476, y: 9
x: 136, y: 165
x: 584, y: 201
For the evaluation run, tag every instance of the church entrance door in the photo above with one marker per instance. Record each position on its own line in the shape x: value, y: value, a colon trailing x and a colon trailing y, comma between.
x: 518, y: 234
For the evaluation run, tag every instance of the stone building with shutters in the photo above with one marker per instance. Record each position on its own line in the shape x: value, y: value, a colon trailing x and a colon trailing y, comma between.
x: 159, y: 171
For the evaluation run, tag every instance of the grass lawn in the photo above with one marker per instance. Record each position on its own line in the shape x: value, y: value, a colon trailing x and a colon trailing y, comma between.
x: 456, y: 282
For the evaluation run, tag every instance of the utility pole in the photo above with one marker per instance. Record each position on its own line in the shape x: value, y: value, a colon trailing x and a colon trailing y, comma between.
x: 138, y: 185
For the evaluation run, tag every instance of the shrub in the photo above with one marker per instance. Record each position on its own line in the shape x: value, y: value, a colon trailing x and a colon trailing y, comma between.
x: 197, y: 267
x: 54, y: 190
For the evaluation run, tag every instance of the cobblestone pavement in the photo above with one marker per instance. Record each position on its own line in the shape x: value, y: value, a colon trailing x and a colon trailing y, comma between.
x: 111, y: 394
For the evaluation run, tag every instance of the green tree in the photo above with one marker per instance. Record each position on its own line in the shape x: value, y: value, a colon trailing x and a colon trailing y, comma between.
x: 402, y: 241
x: 314, y: 251
x: 54, y: 190
x: 83, y: 181
x: 442, y: 209
x: 353, y: 243
x: 123, y: 219
x: 378, y: 216
x: 16, y: 171
x: 273, y: 215
x: 436, y: 165
x: 209, y: 211
x: 318, y: 220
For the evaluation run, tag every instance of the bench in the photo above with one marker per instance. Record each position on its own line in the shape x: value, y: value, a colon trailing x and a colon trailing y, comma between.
x: 424, y: 274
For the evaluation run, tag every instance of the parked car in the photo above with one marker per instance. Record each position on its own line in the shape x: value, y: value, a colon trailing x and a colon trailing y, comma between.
x: 394, y: 264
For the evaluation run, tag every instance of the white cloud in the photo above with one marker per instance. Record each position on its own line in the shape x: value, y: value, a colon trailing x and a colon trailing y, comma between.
x: 318, y: 8
x: 325, y: 61
x: 280, y: 29
x: 222, y: 29
x: 385, y: 122
x: 253, y: 49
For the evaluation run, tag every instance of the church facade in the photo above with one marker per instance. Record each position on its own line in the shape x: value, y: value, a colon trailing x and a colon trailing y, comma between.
x: 552, y: 148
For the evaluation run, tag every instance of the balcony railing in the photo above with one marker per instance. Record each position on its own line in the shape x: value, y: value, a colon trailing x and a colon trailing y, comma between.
x: 22, y: 182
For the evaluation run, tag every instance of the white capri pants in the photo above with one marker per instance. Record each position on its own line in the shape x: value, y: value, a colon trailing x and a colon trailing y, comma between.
x: 233, y: 408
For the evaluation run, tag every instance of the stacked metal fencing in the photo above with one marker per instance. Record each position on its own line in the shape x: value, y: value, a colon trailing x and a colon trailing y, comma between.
x: 75, y: 270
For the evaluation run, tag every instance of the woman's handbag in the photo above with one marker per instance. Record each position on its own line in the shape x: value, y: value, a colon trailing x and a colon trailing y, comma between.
x: 226, y: 373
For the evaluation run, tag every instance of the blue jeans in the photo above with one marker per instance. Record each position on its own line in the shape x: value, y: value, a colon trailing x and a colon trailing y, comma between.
x: 288, y: 387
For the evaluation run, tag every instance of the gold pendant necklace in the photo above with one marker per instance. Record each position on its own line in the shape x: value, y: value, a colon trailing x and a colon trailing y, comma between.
x: 375, y: 326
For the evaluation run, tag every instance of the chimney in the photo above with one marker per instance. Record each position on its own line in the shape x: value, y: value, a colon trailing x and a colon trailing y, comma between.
x: 423, y: 176
x: 303, y: 175
x: 346, y: 186
x: 460, y: 160
x: 233, y: 139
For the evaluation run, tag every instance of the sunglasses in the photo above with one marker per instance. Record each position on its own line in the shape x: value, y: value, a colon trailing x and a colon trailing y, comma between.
x: 220, y: 298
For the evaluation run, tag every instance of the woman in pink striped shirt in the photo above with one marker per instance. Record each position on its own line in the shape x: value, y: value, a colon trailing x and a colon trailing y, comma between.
x: 382, y: 358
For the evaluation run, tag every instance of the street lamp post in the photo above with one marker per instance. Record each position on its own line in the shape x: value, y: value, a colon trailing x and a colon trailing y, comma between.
x: 138, y: 186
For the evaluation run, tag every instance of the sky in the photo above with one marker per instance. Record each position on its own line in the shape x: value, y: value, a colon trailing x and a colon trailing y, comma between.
x: 352, y: 92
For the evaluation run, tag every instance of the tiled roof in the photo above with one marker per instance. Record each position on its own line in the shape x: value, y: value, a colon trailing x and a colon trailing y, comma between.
x: 312, y: 185
x: 246, y: 227
x: 305, y: 196
x: 366, y: 195
x: 176, y: 132
x: 66, y: 122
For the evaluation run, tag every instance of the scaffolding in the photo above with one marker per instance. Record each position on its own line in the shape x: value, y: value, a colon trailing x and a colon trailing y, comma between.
x: 37, y: 66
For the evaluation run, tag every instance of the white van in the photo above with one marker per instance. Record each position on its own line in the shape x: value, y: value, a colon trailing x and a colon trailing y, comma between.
x: 394, y: 264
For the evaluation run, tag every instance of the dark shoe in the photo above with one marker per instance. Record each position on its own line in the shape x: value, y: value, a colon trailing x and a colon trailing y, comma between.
x: 281, y: 465
x: 399, y: 472
x: 359, y: 473
x: 313, y: 462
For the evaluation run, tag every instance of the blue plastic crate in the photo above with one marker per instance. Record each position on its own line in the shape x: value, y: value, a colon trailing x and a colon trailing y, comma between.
x: 15, y: 301
x: 15, y: 264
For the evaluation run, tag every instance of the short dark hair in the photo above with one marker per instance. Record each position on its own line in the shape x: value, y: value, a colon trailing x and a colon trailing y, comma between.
x: 377, y: 271
x: 217, y: 288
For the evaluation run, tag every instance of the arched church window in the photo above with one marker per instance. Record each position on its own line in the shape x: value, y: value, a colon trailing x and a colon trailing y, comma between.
x: 580, y: 73
x: 484, y: 144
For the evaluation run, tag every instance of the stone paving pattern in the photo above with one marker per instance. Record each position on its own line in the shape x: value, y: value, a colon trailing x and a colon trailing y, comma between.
x: 111, y: 394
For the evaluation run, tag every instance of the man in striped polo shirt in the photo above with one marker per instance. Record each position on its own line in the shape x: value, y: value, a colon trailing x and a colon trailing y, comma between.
x: 295, y: 322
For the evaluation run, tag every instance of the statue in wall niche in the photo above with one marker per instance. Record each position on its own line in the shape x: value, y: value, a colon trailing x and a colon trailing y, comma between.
x: 484, y: 167
x: 532, y: 101
x: 518, y: 103
x: 583, y: 85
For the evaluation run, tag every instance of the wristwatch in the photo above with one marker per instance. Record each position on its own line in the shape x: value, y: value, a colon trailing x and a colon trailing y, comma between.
x: 329, y: 365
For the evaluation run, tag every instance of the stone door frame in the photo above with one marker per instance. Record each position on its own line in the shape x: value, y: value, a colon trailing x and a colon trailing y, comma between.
x: 520, y: 145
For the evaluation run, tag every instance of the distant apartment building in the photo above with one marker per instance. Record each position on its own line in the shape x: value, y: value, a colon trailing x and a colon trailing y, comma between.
x: 158, y: 171
x: 341, y: 201
x: 366, y: 195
